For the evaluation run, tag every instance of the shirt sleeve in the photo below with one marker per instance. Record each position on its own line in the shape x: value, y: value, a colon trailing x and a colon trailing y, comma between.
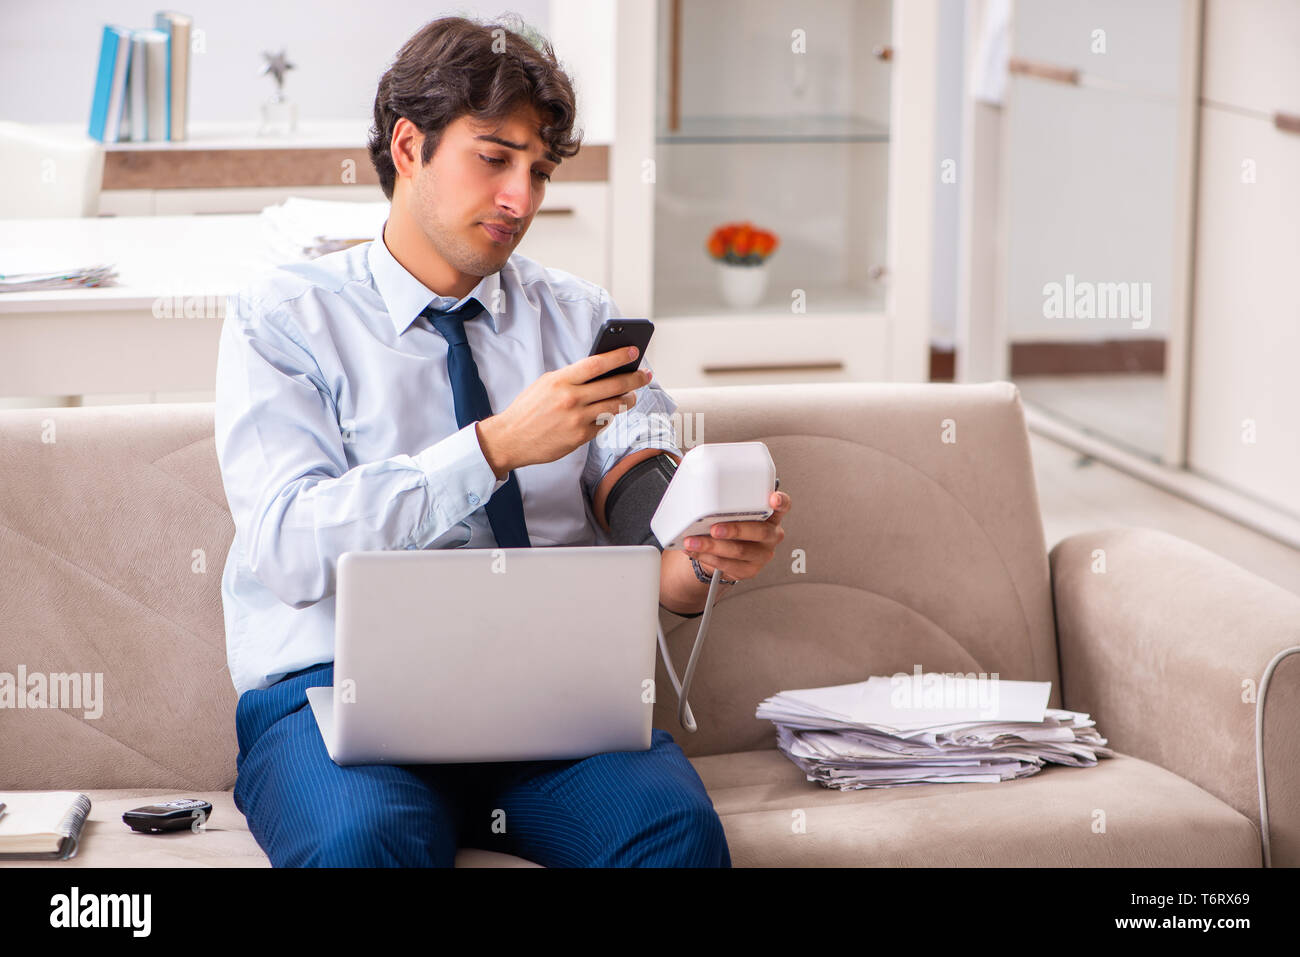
x: 650, y: 424
x: 296, y: 504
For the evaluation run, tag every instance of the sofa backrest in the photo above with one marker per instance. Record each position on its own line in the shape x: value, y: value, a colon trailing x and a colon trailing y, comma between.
x: 914, y: 539
x: 114, y: 530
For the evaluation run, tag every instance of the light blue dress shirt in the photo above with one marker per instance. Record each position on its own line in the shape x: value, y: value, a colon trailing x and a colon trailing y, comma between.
x: 336, y: 431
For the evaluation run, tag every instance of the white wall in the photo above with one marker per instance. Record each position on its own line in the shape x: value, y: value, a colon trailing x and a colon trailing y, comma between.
x: 49, y: 52
x: 582, y: 33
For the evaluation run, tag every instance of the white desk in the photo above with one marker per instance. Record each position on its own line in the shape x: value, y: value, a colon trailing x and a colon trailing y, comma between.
x: 156, y: 331
x: 123, y: 339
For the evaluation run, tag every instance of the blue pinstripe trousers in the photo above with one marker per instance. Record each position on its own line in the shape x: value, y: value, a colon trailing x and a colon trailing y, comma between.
x: 621, y: 808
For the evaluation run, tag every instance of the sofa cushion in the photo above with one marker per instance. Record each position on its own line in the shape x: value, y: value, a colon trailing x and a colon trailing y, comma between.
x: 1044, y: 820
x: 114, y: 529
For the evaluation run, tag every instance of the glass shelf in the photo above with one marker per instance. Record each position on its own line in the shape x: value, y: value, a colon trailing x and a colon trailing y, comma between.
x: 797, y: 144
x: 827, y: 128
x: 823, y: 298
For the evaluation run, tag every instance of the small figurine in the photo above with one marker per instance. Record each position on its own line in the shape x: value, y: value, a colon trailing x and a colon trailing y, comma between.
x: 279, y: 113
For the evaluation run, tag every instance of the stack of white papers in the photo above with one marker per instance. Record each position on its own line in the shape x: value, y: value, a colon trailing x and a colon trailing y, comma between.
x: 72, y: 277
x: 928, y: 728
x: 300, y: 229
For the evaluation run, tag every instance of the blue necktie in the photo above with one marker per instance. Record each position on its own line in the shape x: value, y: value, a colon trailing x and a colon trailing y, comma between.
x: 505, y: 509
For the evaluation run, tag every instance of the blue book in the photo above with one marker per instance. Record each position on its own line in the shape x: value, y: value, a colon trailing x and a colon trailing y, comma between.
x: 161, y: 23
x: 110, y: 84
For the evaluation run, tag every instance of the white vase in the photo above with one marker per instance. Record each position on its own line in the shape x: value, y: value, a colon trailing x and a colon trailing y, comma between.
x: 742, y: 286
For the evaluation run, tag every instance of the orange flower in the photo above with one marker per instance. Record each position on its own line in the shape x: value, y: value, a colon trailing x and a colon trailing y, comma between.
x: 741, y: 241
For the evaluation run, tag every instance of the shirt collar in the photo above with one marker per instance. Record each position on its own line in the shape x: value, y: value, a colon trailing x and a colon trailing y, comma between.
x: 405, y: 297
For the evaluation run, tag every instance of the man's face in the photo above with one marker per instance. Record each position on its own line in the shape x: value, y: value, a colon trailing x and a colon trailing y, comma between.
x: 482, y: 176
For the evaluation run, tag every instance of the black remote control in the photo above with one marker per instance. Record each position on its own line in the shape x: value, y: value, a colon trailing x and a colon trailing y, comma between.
x: 168, y: 816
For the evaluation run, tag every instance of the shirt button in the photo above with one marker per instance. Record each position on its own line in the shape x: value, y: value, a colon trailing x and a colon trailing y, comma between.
x: 473, y: 499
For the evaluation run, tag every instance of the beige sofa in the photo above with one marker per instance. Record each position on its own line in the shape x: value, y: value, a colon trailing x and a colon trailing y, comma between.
x: 913, y: 549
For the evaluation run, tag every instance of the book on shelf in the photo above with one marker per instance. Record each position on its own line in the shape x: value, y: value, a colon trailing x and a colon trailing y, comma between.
x: 147, y: 87
x: 142, y: 82
x: 177, y: 26
x: 106, y: 107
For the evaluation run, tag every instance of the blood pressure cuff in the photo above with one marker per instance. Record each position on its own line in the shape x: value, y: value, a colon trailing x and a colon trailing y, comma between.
x: 633, y: 500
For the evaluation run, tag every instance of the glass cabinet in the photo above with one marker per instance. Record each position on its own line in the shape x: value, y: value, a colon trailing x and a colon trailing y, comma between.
x: 777, y: 114
x: 782, y: 116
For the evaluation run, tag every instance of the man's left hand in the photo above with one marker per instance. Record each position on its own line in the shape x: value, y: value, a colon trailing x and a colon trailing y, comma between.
x: 741, y: 549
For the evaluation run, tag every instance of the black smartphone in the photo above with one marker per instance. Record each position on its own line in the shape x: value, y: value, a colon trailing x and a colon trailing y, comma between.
x: 621, y: 333
x: 168, y: 816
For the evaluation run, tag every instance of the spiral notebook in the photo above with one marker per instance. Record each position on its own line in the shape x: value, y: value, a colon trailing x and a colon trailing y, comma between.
x: 41, y: 825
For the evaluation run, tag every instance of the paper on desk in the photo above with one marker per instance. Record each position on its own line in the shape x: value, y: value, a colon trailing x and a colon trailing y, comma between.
x: 302, y: 228
x: 54, y: 277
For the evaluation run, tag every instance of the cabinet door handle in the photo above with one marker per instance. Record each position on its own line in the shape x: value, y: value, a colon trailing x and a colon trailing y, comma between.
x: 1287, y: 122
x: 555, y: 211
x: 1043, y: 71
x: 787, y: 367
x: 883, y: 52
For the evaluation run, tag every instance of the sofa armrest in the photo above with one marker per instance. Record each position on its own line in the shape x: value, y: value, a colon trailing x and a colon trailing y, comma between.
x: 1167, y: 646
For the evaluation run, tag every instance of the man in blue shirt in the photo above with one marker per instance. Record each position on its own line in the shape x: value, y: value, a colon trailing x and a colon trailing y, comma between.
x: 336, y: 431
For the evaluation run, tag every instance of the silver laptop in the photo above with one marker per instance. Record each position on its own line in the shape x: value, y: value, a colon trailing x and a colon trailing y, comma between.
x: 491, y: 654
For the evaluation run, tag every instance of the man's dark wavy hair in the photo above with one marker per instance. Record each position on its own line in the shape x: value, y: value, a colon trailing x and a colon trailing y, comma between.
x: 454, y: 66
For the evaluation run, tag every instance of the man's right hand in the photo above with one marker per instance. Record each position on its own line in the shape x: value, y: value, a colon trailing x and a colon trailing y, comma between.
x: 560, y: 411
